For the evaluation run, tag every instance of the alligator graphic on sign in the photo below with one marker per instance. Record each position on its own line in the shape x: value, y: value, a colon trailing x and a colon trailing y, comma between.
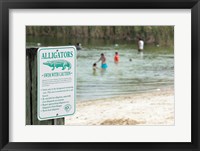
x: 58, y: 63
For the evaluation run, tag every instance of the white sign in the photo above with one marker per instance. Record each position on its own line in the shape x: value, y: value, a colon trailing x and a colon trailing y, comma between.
x: 56, y: 82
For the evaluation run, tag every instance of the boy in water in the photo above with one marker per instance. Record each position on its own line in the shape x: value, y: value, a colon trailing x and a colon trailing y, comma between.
x: 116, y: 57
x: 103, y: 61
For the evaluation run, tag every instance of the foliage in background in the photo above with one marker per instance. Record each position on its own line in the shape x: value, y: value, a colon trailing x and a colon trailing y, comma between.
x: 162, y: 35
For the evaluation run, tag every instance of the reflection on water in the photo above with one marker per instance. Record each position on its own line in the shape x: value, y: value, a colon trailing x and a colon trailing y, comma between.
x: 134, y: 72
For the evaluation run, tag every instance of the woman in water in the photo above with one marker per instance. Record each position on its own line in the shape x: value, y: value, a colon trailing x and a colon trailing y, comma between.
x: 103, y: 61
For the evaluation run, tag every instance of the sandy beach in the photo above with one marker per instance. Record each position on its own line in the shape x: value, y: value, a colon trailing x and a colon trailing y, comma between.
x: 145, y: 108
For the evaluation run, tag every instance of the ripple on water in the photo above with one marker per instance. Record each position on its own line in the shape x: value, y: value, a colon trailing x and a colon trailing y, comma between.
x: 152, y: 71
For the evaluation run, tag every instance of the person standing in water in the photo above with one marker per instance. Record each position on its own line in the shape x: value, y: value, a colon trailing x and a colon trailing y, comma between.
x: 94, y: 67
x: 103, y: 61
x: 140, y: 45
x: 78, y: 46
x: 116, y: 57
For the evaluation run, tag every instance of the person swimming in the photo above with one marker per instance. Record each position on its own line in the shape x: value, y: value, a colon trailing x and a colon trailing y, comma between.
x: 116, y: 57
x: 103, y: 61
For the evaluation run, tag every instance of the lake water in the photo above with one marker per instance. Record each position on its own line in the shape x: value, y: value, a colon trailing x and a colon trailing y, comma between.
x: 148, y: 73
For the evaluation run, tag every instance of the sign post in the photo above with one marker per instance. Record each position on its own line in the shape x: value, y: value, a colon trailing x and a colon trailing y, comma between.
x: 56, y: 82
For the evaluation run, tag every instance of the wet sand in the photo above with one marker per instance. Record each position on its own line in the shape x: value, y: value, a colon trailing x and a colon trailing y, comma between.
x: 145, y: 108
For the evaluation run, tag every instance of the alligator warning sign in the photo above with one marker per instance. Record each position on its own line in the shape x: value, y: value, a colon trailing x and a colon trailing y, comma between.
x: 56, y: 82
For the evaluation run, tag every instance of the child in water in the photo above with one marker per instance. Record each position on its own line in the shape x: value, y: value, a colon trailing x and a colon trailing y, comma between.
x: 94, y: 67
x: 116, y: 57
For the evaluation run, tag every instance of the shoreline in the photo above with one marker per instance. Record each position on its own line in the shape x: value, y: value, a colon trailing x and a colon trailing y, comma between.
x: 143, y: 108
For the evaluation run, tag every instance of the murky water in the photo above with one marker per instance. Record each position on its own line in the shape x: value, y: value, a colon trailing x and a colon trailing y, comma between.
x: 132, y: 74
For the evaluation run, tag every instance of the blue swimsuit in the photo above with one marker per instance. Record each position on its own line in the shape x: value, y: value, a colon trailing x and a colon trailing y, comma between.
x: 104, y: 66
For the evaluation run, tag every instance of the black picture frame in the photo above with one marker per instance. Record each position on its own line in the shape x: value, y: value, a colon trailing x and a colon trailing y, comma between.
x: 5, y: 5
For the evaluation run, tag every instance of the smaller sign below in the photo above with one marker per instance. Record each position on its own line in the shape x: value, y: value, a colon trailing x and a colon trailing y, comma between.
x: 56, y: 82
